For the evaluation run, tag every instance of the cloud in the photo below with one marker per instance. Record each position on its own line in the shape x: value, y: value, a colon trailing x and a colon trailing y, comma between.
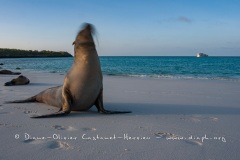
x: 181, y: 19
x: 184, y: 19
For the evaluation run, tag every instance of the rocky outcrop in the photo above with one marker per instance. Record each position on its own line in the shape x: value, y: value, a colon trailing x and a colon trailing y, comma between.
x: 17, y: 53
x: 21, y: 80
x: 9, y: 72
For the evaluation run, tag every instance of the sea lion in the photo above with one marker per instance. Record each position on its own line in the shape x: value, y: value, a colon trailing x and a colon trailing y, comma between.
x: 21, y: 80
x: 9, y: 72
x: 83, y: 84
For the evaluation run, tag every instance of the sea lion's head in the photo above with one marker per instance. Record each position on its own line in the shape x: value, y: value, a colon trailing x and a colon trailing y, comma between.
x: 84, y: 36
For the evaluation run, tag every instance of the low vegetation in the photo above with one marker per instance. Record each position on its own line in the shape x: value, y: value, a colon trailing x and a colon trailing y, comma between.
x: 17, y: 53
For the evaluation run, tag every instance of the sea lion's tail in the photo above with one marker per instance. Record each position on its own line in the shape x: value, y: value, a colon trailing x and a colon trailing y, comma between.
x: 29, y: 100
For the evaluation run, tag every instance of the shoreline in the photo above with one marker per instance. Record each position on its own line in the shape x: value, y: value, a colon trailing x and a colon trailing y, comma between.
x: 26, y: 71
x: 166, y: 114
x: 158, y: 68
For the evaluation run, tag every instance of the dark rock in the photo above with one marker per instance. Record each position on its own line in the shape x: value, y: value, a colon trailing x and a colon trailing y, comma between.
x: 9, y: 72
x: 21, y: 80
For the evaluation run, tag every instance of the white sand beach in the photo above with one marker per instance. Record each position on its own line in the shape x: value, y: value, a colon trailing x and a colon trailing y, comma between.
x: 171, y: 119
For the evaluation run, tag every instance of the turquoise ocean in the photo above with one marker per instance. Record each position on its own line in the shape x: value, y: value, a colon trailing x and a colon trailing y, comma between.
x: 222, y: 68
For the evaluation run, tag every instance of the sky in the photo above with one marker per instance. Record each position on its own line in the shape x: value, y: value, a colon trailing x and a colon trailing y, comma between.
x: 124, y: 27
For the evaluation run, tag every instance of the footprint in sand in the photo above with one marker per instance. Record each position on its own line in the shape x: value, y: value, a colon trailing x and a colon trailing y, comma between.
x: 214, y: 119
x: 170, y: 136
x: 25, y: 110
x: 68, y: 128
x: 198, y: 119
x: 33, y: 141
x: 59, y: 145
x: 195, y: 119
x: 3, y: 124
x: 50, y: 145
x: 193, y: 142
x: 165, y: 135
x: 29, y: 112
x: 127, y: 150
x: 89, y: 129
x: 5, y: 112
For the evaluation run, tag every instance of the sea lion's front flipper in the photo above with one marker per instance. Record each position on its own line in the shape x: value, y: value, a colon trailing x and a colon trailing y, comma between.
x: 57, y: 114
x: 100, y: 107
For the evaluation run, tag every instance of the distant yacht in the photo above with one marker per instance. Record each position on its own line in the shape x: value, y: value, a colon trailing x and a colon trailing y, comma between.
x: 201, y: 55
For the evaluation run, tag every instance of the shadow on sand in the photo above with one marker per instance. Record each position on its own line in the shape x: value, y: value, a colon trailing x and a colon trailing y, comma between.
x: 154, y: 109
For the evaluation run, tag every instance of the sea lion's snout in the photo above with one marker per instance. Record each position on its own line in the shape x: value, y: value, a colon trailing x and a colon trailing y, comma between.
x: 85, y: 34
x: 88, y: 28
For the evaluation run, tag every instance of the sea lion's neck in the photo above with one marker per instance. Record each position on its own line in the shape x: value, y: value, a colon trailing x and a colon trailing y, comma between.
x: 84, y: 44
x: 84, y: 52
x: 82, y: 48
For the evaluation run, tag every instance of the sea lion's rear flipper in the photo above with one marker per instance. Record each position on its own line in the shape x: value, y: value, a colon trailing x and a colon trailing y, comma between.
x: 29, y: 100
x: 100, y: 107
x: 66, y: 108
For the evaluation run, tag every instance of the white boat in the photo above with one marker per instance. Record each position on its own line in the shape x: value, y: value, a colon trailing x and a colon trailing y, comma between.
x: 199, y: 55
